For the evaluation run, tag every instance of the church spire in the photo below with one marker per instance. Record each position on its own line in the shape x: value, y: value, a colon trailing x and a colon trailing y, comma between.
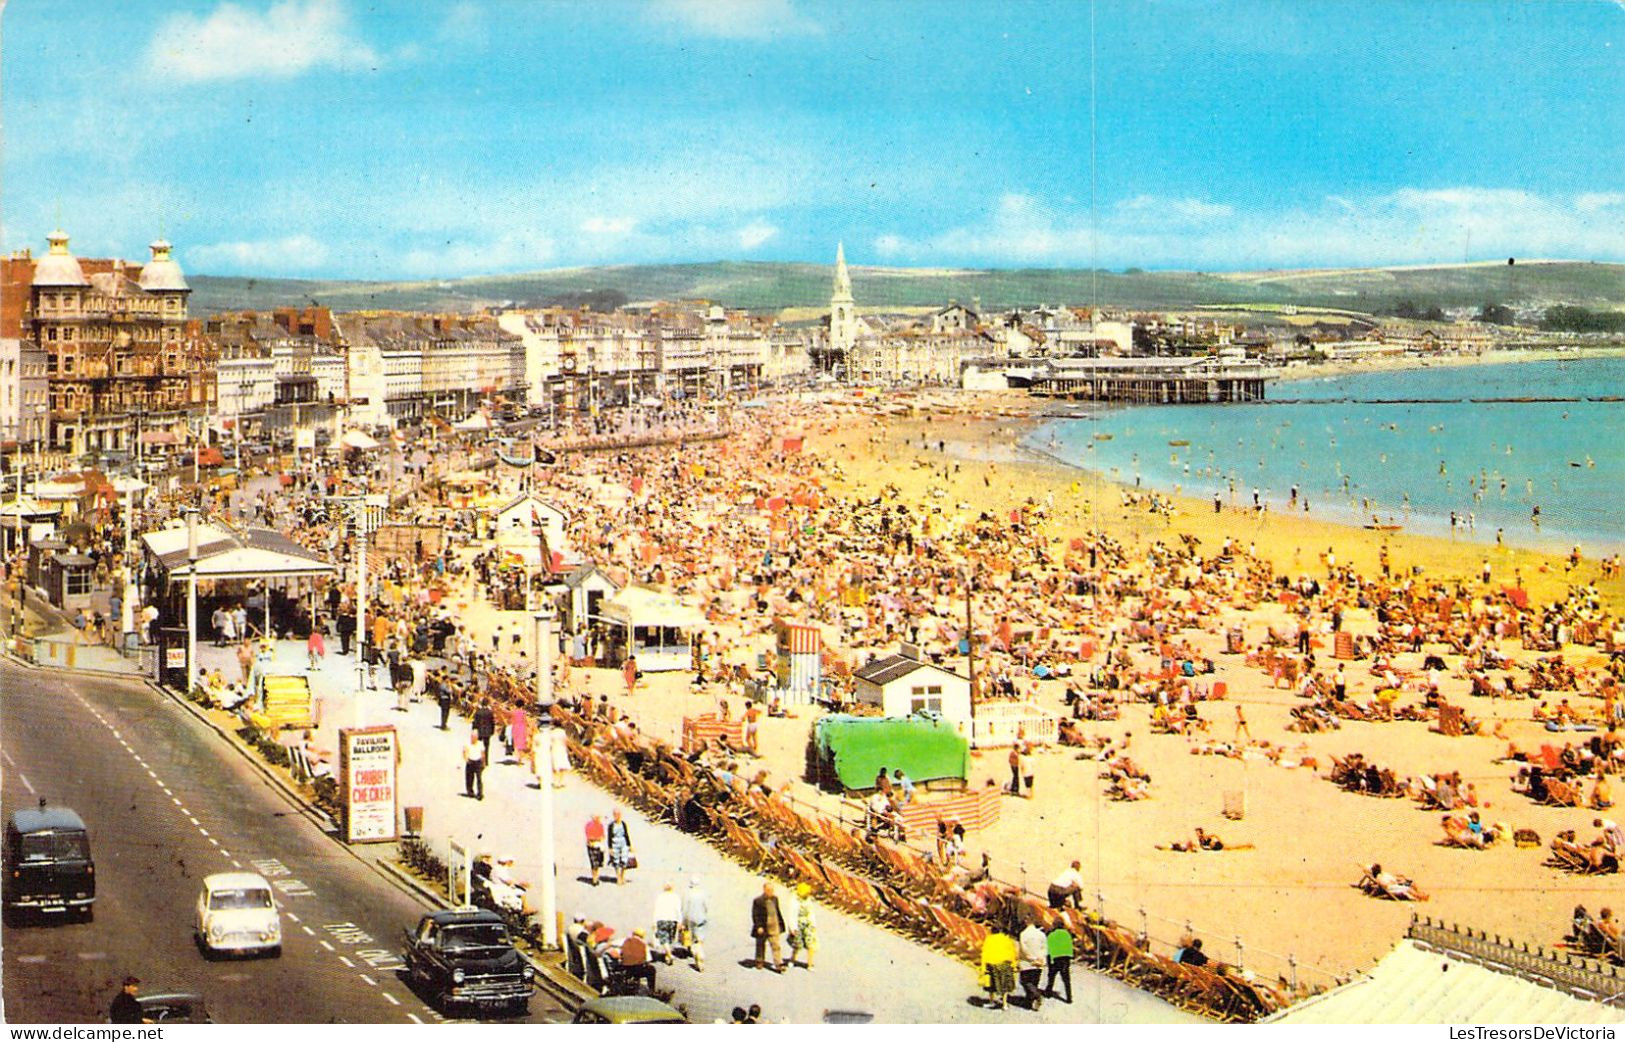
x: 843, y: 312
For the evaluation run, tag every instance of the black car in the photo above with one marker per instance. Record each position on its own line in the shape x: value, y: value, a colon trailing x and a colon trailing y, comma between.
x: 47, y: 863
x: 464, y: 957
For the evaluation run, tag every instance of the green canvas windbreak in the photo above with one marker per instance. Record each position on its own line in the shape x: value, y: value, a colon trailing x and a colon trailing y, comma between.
x: 858, y: 747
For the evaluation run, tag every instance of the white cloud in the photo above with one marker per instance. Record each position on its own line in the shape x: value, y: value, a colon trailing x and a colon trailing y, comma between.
x: 1186, y: 211
x: 236, y: 42
x: 515, y: 251
x: 466, y: 25
x: 755, y: 234
x: 1592, y: 201
x: 294, y: 253
x: 1407, y: 226
x: 609, y: 225
x: 735, y: 19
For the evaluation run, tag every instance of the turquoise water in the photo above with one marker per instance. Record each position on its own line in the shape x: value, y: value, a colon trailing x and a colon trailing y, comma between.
x: 1407, y: 464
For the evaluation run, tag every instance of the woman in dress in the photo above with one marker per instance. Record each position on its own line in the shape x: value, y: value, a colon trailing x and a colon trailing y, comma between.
x: 803, y: 929
x: 620, y: 848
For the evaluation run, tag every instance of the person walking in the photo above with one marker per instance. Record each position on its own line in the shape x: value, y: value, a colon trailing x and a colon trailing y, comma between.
x: 1025, y: 760
x: 485, y: 724
x: 1033, y: 954
x: 1061, y: 950
x: 620, y: 848
x: 696, y: 914
x: 442, y: 696
x: 595, y: 846
x: 315, y: 647
x: 668, y: 919
x: 998, y: 976
x: 803, y: 928
x: 474, y: 767
x: 767, y: 926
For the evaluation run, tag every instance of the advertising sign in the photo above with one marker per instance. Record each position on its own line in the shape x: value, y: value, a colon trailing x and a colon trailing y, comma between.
x: 367, y: 783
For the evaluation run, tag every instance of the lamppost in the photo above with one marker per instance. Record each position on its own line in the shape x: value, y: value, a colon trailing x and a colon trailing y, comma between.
x: 191, y: 596
x: 543, y: 753
x: 367, y: 513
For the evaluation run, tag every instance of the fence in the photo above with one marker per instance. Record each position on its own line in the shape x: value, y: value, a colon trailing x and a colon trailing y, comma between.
x: 994, y: 724
x: 1577, y: 976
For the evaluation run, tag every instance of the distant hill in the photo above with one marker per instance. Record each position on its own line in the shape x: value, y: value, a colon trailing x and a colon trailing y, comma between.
x: 769, y: 287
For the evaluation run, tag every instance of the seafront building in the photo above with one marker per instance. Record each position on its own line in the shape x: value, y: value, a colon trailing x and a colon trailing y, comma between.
x: 122, y: 359
x: 101, y: 356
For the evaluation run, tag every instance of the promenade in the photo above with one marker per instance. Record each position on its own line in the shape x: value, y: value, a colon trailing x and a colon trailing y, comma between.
x: 859, y: 967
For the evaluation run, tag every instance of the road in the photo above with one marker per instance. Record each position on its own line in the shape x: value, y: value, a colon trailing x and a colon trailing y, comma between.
x: 168, y: 802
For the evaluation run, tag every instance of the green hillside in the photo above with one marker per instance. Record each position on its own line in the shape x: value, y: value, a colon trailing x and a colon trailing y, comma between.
x: 761, y: 286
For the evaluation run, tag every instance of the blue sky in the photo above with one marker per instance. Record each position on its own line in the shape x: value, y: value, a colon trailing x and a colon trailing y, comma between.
x: 339, y: 138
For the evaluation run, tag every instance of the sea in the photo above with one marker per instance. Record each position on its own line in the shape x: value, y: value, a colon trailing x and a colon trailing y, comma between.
x: 1409, y: 464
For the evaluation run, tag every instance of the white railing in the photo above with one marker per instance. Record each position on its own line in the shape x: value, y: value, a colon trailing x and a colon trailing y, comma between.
x: 1002, y: 723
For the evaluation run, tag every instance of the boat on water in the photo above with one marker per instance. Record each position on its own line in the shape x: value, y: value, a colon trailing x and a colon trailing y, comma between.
x: 516, y: 461
x: 1103, y: 437
x: 1179, y: 443
x: 1385, y: 528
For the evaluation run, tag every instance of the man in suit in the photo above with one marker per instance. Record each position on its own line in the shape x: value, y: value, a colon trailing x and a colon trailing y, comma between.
x: 485, y: 725
x: 767, y: 926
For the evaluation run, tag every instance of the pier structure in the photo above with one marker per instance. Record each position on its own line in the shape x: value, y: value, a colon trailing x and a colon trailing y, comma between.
x: 1150, y: 381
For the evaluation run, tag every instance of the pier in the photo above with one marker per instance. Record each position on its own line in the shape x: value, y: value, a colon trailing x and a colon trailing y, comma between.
x: 1150, y: 381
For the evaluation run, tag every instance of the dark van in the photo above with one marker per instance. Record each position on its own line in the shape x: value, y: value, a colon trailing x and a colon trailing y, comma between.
x: 47, y: 863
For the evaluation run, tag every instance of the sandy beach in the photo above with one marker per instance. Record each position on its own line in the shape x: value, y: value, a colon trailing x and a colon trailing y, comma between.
x: 1310, y: 838
x: 1286, y: 904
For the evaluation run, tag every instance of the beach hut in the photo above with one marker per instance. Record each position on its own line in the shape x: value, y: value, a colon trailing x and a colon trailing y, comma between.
x: 525, y: 523
x: 799, y: 654
x: 585, y: 590
x: 652, y: 626
x: 904, y: 684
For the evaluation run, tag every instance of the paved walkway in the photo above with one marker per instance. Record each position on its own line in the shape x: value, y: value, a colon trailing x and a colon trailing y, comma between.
x: 860, y: 966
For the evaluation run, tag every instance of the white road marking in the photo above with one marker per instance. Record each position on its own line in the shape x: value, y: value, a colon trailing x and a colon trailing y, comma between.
x: 152, y: 774
x: 31, y: 958
x: 191, y: 819
x: 214, y: 841
x: 239, y: 864
x: 346, y: 962
x: 8, y: 757
x: 176, y: 800
x: 308, y: 930
x: 291, y: 917
x: 166, y: 790
x: 226, y: 853
x: 328, y: 945
x: 26, y: 783
x: 414, y: 1018
x: 393, y: 1001
x: 92, y: 956
x: 202, y: 830
x: 368, y: 979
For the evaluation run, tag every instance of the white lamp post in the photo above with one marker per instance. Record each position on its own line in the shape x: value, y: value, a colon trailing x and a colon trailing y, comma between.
x: 368, y: 514
x: 191, y: 596
x: 543, y: 753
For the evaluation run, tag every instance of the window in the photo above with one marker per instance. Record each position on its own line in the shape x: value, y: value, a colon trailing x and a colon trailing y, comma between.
x: 926, y: 698
x: 77, y: 581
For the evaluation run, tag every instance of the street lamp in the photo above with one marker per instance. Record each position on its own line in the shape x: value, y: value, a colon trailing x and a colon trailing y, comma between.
x: 191, y: 596
x: 367, y: 513
x: 543, y: 753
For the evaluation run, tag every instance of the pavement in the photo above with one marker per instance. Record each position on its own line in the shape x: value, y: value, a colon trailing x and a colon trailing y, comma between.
x: 859, y: 964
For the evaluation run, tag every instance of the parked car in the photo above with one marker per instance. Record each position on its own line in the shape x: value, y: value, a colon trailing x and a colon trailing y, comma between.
x: 174, y: 1007
x: 48, y: 867
x: 464, y: 957
x: 628, y: 1009
x: 237, y: 914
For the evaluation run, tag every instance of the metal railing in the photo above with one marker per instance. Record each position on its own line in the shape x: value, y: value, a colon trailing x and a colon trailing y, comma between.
x: 1575, y: 975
